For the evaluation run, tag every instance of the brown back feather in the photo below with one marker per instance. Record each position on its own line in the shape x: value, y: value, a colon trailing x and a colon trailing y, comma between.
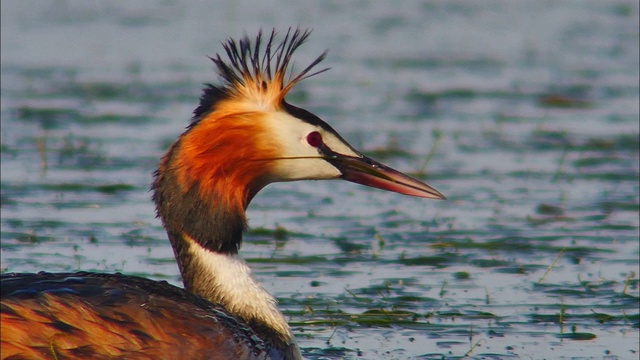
x: 86, y: 315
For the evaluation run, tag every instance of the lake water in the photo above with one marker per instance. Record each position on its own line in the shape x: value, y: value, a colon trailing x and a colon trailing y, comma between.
x: 524, y: 113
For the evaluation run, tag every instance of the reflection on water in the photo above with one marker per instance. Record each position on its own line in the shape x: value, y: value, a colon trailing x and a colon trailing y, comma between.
x: 525, y: 114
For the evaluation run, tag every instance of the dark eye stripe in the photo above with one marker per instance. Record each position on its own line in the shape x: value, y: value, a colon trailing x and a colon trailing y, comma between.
x: 312, y: 119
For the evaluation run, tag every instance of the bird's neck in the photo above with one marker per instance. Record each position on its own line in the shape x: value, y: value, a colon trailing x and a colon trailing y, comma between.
x: 227, y: 280
x: 204, y: 220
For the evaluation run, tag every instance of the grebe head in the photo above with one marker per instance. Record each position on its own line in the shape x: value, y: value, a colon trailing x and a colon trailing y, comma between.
x: 244, y: 134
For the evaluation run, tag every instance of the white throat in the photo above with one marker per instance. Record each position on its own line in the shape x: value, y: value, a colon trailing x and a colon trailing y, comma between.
x: 227, y: 280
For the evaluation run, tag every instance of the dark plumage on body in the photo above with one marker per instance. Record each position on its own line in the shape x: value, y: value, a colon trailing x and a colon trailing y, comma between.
x: 243, y: 136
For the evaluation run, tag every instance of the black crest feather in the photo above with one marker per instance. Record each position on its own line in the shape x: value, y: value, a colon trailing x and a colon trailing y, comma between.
x: 246, y: 64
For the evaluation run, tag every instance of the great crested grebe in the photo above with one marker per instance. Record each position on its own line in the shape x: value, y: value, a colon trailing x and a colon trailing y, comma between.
x: 243, y: 136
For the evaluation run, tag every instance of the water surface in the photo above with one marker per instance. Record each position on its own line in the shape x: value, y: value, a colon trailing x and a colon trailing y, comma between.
x: 525, y: 114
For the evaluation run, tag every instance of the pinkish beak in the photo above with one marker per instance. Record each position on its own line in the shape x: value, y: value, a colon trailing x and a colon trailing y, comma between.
x: 365, y: 171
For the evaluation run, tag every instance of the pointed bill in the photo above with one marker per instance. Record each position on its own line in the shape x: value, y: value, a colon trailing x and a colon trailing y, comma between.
x: 366, y: 171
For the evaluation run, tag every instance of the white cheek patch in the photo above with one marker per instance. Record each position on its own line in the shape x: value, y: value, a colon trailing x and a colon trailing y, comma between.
x: 291, y: 133
x: 296, y: 158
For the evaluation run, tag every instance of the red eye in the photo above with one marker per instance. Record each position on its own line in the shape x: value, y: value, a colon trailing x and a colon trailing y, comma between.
x: 314, y: 139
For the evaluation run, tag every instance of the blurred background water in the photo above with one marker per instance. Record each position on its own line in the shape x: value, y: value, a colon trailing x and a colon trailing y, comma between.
x: 524, y: 113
